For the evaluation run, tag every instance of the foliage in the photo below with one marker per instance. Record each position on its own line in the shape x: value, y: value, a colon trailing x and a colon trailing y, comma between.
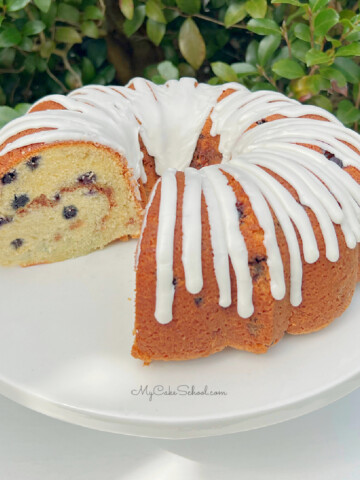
x: 307, y: 50
x: 49, y: 47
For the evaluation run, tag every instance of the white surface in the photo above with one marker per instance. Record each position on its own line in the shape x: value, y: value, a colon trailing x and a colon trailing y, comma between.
x: 323, y: 445
x: 65, y: 351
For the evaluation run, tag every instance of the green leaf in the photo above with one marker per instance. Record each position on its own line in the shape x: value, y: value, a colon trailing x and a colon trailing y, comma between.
x: 158, y: 79
x: 97, y: 51
x: 267, y: 47
x: 127, y: 8
x: 335, y: 42
x: 243, y: 69
x: 40, y: 64
x: 263, y: 86
x: 324, y: 21
x: 9, y: 37
x: 90, y: 29
x: 347, y: 14
x: 214, y: 81
x: 348, y: 68
x: 347, y: 112
x: 235, y: 12
x: 150, y: 71
x: 154, y: 11
x: 263, y: 26
x: 316, y: 5
x: 351, y: 50
x: 352, y: 37
x: 105, y: 76
x: 22, y: 108
x: 289, y: 2
x: 33, y: 28
x: 185, y: 70
x: 170, y: 15
x: 224, y: 71
x: 43, y: 5
x: 315, y: 57
x: 256, y: 8
x: 68, y: 13
x: 6, y: 115
x: 307, y: 86
x: 322, y: 102
x: 47, y: 48
x: 288, y: 68
x: 191, y: 43
x: 131, y: 26
x: 302, y: 31
x: 281, y: 54
x: 72, y: 80
x: 93, y: 13
x: 88, y: 71
x: 67, y: 35
x: 189, y: 6
x: 29, y: 64
x: 333, y: 74
x: 26, y: 44
x: 251, y: 52
x: 7, y: 56
x: 49, y: 17
x: 168, y: 71
x: 15, y: 5
x: 299, y: 49
x: 155, y: 31
x: 347, y: 25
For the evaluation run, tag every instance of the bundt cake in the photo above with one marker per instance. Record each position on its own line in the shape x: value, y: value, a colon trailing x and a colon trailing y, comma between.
x: 247, y: 206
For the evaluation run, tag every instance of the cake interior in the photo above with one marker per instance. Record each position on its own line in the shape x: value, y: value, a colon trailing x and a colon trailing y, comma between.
x: 86, y: 201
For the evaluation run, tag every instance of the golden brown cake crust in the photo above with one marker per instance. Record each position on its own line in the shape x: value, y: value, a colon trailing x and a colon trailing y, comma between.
x: 327, y: 286
x: 200, y: 327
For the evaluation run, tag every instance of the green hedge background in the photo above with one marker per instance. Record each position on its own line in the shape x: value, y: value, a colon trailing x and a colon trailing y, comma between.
x: 308, y: 50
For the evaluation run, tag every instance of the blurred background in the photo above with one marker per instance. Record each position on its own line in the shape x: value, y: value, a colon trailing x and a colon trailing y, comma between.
x: 309, y: 51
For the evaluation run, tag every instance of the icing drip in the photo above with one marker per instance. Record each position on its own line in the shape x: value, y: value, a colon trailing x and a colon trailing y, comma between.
x: 263, y: 214
x: 328, y: 199
x: 234, y: 240
x: 218, y: 243
x: 147, y: 208
x: 165, y: 248
x: 277, y: 203
x: 191, y: 228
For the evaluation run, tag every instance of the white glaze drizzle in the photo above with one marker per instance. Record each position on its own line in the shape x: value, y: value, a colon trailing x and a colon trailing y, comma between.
x: 218, y: 244
x: 165, y: 248
x: 98, y: 114
x: 263, y: 214
x: 169, y: 119
x: 144, y: 223
x: 191, y: 230
x: 172, y: 117
x: 235, y: 242
x: 275, y: 202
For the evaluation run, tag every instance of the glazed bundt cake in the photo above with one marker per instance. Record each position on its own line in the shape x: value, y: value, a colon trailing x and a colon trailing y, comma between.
x: 252, y: 220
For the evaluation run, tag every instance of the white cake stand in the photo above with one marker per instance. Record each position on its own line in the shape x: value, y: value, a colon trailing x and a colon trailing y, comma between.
x: 65, y: 340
